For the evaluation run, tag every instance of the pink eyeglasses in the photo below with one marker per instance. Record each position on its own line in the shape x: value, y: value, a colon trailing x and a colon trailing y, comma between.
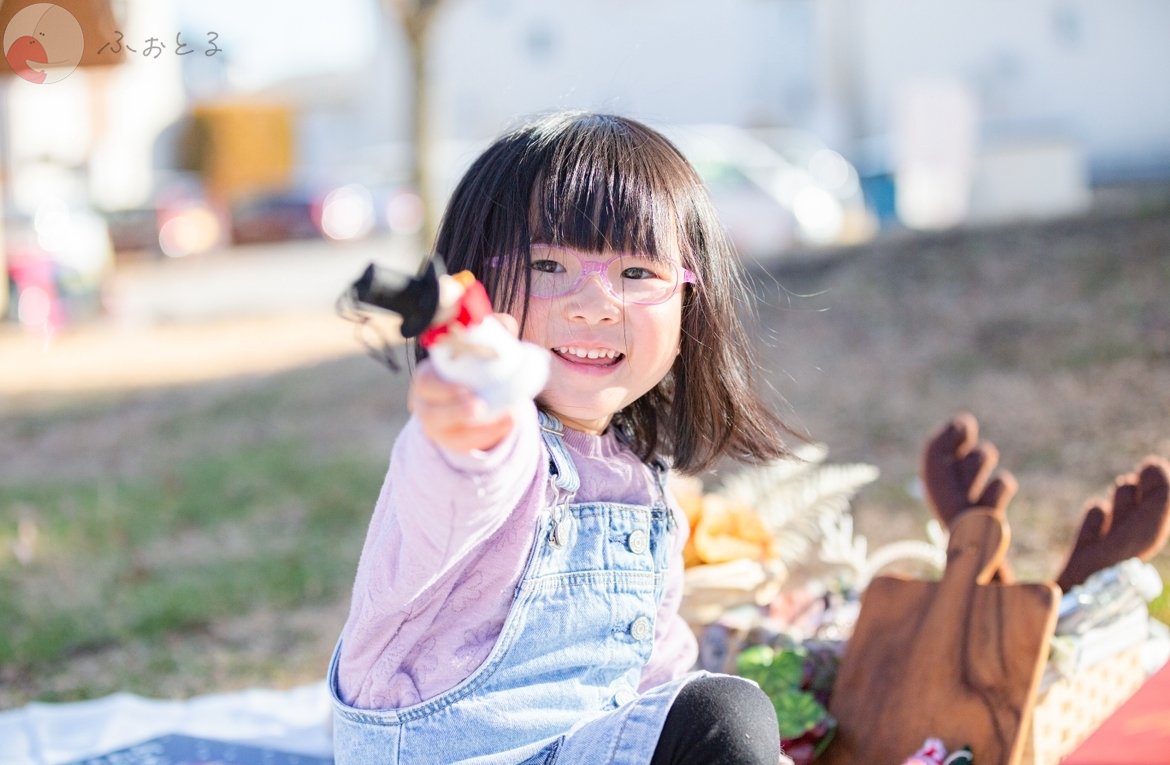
x: 629, y: 278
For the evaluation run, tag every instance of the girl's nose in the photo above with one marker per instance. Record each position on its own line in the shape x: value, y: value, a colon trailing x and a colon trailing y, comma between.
x: 593, y: 302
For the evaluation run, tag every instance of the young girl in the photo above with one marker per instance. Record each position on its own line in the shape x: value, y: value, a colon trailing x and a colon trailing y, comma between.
x: 516, y: 599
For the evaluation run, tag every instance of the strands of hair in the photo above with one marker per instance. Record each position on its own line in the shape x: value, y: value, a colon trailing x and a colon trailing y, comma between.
x: 598, y: 183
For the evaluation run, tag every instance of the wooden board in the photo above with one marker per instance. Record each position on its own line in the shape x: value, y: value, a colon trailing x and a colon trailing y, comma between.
x: 959, y: 659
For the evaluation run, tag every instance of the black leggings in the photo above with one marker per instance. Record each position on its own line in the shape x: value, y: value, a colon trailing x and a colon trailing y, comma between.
x: 719, y: 720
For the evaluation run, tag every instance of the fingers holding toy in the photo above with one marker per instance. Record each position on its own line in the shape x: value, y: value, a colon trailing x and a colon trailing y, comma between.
x: 509, y: 322
x: 452, y: 415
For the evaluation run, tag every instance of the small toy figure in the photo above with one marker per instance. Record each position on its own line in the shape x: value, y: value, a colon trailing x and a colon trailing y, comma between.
x: 932, y: 753
x: 961, y: 756
x: 452, y: 318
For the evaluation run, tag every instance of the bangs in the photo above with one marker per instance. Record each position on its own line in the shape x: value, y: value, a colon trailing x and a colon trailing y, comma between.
x: 590, y: 182
x: 608, y: 186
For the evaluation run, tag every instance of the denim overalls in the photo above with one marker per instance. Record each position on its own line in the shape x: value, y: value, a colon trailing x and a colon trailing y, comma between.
x: 560, y: 684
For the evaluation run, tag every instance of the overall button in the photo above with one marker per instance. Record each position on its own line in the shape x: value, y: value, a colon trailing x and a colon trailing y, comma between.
x: 641, y: 629
x: 638, y: 541
x: 624, y: 696
x: 562, y: 530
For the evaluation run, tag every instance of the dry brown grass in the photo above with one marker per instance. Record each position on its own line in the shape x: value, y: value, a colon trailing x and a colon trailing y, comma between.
x: 1056, y: 336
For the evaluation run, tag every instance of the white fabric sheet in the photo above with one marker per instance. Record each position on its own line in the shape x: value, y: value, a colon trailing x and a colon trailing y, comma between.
x: 296, y: 720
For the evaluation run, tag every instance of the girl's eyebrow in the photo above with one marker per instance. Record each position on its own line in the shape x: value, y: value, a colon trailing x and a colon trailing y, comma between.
x: 601, y: 256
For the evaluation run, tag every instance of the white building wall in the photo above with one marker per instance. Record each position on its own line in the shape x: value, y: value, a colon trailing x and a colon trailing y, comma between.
x: 1096, y: 73
x: 738, y: 61
x: 1079, y: 70
x: 1091, y: 72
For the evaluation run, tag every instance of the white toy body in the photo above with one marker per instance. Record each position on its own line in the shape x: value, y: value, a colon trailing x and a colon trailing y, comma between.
x: 501, y: 369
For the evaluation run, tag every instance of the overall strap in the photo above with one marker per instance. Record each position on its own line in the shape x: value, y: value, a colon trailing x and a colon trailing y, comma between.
x: 561, y: 466
x: 661, y: 472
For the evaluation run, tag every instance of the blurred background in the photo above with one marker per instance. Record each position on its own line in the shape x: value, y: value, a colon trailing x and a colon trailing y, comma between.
x: 943, y: 205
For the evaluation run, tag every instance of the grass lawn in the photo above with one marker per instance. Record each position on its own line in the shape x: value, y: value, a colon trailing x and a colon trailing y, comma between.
x: 188, y: 538
x: 200, y: 567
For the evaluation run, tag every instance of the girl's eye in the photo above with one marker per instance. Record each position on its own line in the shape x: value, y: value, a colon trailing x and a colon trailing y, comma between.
x: 638, y: 272
x: 547, y: 266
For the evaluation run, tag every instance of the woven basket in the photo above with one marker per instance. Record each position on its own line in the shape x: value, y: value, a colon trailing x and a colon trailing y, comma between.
x: 712, y: 589
x: 1071, y: 708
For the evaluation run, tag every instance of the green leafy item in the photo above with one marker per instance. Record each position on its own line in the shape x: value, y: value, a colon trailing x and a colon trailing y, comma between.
x: 782, y: 675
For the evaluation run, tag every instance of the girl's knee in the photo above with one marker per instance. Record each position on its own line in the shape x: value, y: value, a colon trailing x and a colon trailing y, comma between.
x: 720, y: 719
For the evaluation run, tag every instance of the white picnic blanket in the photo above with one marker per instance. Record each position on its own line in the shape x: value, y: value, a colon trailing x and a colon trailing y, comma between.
x: 296, y: 720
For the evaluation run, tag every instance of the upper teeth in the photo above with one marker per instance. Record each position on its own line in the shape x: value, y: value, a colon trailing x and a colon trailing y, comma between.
x: 592, y: 353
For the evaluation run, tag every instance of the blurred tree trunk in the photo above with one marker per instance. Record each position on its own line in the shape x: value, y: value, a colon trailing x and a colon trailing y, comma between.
x: 415, y: 17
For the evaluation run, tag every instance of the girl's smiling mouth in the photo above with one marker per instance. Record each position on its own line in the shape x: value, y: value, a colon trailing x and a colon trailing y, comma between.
x: 594, y: 357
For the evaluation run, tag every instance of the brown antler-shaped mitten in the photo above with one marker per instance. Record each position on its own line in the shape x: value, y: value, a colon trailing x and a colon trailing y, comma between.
x: 1135, y: 524
x: 959, y: 473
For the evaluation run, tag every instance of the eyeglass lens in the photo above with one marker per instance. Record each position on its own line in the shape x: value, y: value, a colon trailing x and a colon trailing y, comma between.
x: 629, y: 277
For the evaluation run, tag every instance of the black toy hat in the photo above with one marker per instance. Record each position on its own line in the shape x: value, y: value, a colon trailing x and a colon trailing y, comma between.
x: 414, y: 298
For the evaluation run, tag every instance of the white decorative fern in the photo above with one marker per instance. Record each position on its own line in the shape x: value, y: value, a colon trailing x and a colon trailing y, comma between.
x: 841, y: 546
x: 807, y: 504
x: 799, y: 498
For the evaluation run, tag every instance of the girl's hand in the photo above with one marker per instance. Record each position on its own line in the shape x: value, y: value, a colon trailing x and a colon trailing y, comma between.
x: 451, y: 414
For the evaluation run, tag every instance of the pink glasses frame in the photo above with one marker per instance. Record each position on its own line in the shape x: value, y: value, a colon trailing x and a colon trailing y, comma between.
x: 600, y: 267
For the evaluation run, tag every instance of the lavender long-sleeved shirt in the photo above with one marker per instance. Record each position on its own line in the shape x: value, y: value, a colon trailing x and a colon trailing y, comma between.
x: 446, y: 547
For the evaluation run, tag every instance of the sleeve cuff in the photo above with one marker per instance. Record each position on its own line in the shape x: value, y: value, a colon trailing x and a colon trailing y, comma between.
x: 487, y: 460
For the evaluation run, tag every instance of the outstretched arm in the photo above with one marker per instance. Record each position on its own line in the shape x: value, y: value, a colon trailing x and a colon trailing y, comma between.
x: 435, y: 507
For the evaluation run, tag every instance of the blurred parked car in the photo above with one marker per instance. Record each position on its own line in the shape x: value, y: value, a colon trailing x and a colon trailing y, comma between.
x: 385, y: 170
x: 339, y: 212
x: 57, y: 262
x: 771, y: 202
x: 276, y: 217
x: 829, y: 170
x: 180, y: 220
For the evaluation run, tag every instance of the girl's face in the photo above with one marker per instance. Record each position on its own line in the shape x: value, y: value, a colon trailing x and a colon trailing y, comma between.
x: 607, y: 352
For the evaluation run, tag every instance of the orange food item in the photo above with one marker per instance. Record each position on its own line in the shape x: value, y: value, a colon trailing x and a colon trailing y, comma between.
x: 721, y: 530
x: 728, y: 531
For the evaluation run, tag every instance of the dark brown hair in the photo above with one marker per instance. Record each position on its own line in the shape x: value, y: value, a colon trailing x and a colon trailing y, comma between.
x: 598, y: 182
